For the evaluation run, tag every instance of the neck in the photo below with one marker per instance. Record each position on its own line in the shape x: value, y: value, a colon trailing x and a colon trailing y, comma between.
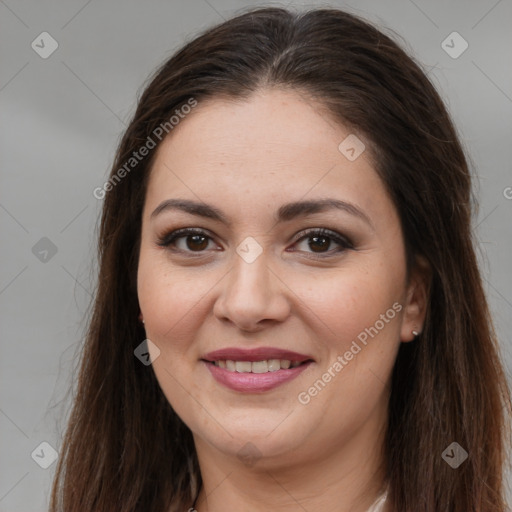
x: 345, y: 477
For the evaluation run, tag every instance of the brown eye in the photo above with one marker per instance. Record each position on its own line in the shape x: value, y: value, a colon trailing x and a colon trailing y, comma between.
x: 318, y: 243
x: 320, y: 240
x: 195, y: 240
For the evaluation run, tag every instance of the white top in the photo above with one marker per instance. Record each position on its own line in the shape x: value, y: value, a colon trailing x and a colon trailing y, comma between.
x: 378, y: 506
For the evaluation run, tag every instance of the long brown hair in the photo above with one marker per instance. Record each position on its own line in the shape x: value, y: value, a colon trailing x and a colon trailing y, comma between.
x: 125, y: 449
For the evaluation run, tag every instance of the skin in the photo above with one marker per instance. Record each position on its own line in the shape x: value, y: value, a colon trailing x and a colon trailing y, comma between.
x: 248, y: 158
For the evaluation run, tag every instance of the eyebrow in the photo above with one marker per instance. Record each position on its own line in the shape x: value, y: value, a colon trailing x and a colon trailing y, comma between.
x: 285, y: 213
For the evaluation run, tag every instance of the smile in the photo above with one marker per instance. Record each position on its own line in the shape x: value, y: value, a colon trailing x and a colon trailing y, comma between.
x: 245, y: 380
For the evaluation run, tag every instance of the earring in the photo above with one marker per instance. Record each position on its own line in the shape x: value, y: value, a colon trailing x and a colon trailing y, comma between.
x: 415, y: 333
x: 140, y: 318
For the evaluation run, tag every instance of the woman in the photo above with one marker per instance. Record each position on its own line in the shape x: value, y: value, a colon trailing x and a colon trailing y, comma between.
x: 289, y: 314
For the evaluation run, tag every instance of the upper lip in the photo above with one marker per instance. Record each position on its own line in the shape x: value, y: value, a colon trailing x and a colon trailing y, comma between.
x: 255, y: 354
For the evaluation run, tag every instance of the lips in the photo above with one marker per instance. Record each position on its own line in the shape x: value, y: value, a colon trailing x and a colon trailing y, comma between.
x: 255, y: 370
x: 255, y: 354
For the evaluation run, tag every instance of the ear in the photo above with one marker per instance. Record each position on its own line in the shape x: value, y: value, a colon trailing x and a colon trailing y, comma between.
x: 417, y: 295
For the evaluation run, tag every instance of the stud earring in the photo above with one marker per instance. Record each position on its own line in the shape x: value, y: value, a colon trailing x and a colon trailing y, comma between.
x: 140, y: 318
x: 415, y: 333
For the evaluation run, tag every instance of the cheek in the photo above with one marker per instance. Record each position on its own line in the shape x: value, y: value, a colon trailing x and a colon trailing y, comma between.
x: 357, y: 320
x: 350, y: 300
x: 169, y: 299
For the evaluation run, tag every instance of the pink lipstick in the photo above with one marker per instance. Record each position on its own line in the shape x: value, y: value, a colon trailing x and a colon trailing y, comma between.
x: 255, y: 370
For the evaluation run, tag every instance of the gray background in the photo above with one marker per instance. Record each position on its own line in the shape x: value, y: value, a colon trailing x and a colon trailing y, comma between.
x: 62, y: 118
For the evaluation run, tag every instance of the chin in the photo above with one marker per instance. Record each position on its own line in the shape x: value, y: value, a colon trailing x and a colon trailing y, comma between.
x: 252, y: 441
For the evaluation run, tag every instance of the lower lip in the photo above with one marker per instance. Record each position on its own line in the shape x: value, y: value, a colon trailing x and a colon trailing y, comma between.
x: 254, y: 382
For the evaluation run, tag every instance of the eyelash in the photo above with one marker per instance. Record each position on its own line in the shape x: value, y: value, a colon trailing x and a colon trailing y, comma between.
x: 170, y: 238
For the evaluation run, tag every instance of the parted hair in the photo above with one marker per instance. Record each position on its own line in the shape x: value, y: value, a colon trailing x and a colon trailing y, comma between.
x: 125, y: 449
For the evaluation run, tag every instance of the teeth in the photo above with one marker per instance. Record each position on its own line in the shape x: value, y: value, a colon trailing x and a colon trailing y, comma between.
x: 259, y: 367
x: 274, y: 365
x: 243, y: 366
x: 270, y: 365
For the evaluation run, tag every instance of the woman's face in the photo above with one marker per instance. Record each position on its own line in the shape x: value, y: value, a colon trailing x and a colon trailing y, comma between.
x: 257, y: 279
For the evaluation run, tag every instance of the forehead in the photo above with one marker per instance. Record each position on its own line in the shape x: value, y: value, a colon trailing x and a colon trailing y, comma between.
x: 274, y: 147
x: 271, y: 123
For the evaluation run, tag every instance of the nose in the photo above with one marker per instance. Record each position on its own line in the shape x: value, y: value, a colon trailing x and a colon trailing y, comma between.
x: 252, y: 296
